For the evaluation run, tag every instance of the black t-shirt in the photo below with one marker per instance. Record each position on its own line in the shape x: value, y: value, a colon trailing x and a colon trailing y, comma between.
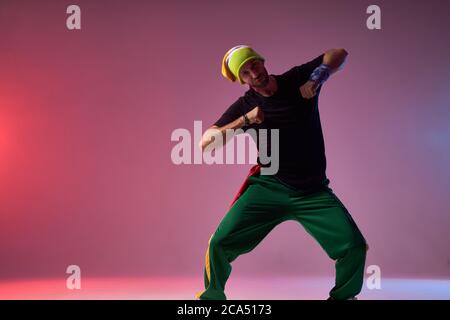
x: 302, y: 161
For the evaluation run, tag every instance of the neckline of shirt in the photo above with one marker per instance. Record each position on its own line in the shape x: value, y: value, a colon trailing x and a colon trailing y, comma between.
x: 277, y: 93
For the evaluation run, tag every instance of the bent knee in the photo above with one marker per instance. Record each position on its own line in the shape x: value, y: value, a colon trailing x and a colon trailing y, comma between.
x: 355, y: 248
x: 216, y: 241
x: 358, y: 249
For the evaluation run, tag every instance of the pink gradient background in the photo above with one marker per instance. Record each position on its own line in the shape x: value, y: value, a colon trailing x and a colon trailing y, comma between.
x: 86, y: 117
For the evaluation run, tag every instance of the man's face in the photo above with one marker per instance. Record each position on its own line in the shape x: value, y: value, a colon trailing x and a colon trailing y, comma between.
x: 254, y: 73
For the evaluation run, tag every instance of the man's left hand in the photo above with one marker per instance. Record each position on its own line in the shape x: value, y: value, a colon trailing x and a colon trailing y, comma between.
x: 308, y: 90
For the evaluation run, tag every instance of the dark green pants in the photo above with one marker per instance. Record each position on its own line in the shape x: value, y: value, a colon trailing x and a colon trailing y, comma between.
x: 265, y: 204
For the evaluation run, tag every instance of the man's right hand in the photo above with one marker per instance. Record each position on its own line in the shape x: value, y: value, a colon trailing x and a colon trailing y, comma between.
x: 256, y: 115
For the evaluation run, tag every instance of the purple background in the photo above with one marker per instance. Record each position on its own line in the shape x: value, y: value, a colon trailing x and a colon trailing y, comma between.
x: 86, y: 117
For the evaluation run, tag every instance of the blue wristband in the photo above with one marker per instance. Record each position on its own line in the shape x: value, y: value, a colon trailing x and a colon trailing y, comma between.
x: 320, y: 74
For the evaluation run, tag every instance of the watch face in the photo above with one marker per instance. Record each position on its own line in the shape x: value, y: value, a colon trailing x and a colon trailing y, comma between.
x: 246, y: 120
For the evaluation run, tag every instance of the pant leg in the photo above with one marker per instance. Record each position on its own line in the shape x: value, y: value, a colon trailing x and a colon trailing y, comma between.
x: 249, y: 220
x: 324, y: 217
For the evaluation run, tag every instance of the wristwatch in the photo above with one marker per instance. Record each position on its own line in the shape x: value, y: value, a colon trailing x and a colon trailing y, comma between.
x: 246, y: 121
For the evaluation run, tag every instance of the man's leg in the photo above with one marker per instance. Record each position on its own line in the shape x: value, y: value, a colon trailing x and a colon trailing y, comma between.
x: 324, y: 216
x: 249, y: 220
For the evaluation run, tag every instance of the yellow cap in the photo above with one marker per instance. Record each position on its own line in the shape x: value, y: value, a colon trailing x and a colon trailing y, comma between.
x: 234, y: 59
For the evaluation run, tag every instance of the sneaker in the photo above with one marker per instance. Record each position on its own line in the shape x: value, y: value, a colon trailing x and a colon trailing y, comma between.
x: 351, y: 298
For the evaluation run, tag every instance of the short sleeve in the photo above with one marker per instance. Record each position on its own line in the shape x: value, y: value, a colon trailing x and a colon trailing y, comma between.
x: 301, y: 73
x: 232, y: 113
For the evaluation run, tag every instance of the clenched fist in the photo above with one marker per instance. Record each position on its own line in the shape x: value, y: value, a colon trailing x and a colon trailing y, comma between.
x: 256, y: 115
x: 308, y: 90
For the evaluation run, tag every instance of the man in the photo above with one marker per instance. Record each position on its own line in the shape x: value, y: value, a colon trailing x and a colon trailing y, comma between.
x: 299, y: 190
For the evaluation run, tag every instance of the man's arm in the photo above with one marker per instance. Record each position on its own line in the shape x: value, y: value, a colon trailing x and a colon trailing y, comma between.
x: 215, y: 133
x: 332, y: 61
